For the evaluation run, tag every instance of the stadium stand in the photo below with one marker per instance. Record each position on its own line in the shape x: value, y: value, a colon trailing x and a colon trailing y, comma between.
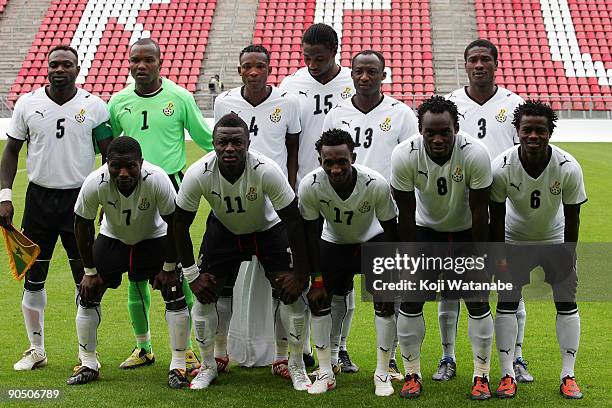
x: 101, y: 30
x: 399, y: 28
x: 557, y: 49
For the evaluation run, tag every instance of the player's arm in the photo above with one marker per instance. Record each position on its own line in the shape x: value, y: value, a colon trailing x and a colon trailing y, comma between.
x: 497, y: 213
x: 197, y: 127
x: 390, y: 229
x: 167, y: 280
x: 184, y: 247
x: 292, y: 142
x: 572, y: 222
x: 406, y: 205
x: 84, y: 232
x: 8, y: 170
x: 479, y: 205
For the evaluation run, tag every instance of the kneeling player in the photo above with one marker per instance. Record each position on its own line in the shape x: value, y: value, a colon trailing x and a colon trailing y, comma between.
x: 441, y: 182
x: 249, y: 196
x: 356, y: 204
x: 135, y: 236
x: 544, y: 189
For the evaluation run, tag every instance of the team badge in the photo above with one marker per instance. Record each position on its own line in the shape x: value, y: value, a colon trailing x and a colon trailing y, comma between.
x: 80, y: 117
x: 457, y: 174
x: 275, y: 116
x: 501, y: 115
x: 386, y: 125
x: 364, y: 207
x: 169, y: 109
x: 143, y: 204
x: 347, y: 93
x: 555, y: 189
x: 252, y: 194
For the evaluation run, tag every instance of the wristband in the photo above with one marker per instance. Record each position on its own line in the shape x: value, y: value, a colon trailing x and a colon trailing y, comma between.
x: 6, y: 194
x: 169, y: 266
x: 91, y: 271
x: 191, y: 273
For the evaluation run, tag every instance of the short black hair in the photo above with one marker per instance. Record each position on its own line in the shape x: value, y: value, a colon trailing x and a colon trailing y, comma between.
x: 255, y: 48
x: 481, y: 42
x: 533, y: 107
x: 335, y: 137
x: 148, y: 41
x: 231, y: 120
x: 64, y: 48
x: 321, y: 34
x: 378, y: 55
x: 124, y: 145
x: 438, y: 104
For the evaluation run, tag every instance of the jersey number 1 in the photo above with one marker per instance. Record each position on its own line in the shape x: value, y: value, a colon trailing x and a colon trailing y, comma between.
x: 145, y: 125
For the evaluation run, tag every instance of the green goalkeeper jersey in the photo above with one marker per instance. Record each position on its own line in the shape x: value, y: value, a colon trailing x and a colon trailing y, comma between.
x: 158, y: 121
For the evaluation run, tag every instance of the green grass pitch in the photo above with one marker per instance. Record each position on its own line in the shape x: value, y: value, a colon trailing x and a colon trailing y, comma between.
x: 257, y: 387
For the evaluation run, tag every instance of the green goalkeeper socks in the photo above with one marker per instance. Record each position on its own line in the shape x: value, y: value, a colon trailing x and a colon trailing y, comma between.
x: 139, y: 302
x: 189, y: 298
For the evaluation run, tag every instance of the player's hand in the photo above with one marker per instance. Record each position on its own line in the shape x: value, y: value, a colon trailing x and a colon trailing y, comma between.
x: 90, y: 288
x: 169, y: 285
x: 6, y: 213
x: 204, y: 288
x: 101, y: 216
x: 317, y: 297
x: 289, y: 286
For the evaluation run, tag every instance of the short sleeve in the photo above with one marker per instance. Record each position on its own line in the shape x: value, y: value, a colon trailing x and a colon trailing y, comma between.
x: 409, y: 125
x: 87, y: 202
x: 219, y: 109
x: 195, y: 124
x: 276, y: 187
x: 385, y: 207
x: 573, y: 186
x: 498, y: 188
x: 166, y: 196
x: 402, y: 173
x: 293, y: 125
x: 479, y: 167
x: 17, y: 126
x: 309, y: 205
x: 114, y: 119
x: 328, y: 123
x: 190, y: 191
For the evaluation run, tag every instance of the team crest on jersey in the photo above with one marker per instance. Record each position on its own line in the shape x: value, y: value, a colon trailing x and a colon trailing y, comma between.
x: 80, y: 117
x: 501, y: 115
x: 169, y: 109
x: 386, y: 125
x: 364, y: 207
x: 347, y: 93
x: 275, y: 116
x: 143, y: 204
x: 457, y: 174
x: 252, y: 194
x: 555, y: 189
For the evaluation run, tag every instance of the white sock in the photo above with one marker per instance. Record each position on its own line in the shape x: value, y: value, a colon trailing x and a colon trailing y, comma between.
x: 521, y: 317
x: 294, y: 320
x: 448, y: 317
x: 348, y: 319
x: 33, y: 308
x: 280, y: 334
x: 224, y: 310
x: 205, y: 322
x: 178, y: 329
x: 87, y: 322
x: 411, y: 332
x: 505, y: 331
x: 568, y: 336
x: 339, y: 310
x: 321, y: 329
x: 307, y: 349
x: 480, y: 332
x: 385, y: 334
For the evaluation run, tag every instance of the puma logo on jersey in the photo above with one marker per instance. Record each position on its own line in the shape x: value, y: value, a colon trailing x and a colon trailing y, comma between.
x: 466, y: 143
x: 412, y: 148
x: 206, y: 169
x: 114, y: 204
x: 505, y: 162
x: 283, y: 94
x: 505, y: 351
x: 518, y: 188
x: 395, y: 103
x: 424, y: 173
x: 216, y: 194
x: 314, y: 180
x: 259, y: 163
x: 146, y: 175
x: 237, y: 113
x: 563, y: 162
x: 571, y: 351
x: 326, y: 202
x: 303, y: 93
x: 102, y: 179
x: 127, y: 108
x: 42, y: 115
x: 483, y: 359
x: 344, y: 122
x: 370, y: 179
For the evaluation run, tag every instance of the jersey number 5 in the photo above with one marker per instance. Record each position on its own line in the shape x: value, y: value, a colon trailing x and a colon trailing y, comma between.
x: 61, y: 130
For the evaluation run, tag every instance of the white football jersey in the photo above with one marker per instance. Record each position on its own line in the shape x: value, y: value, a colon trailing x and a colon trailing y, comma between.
x: 442, y: 192
x: 269, y: 122
x: 377, y: 132
x: 315, y: 101
x: 351, y: 221
x: 129, y: 219
x: 248, y: 205
x: 60, y: 143
x: 534, y: 210
x: 490, y: 122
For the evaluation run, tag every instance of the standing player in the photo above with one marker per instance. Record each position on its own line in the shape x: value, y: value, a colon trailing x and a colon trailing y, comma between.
x: 485, y: 111
x: 254, y: 212
x: 357, y: 206
x: 542, y: 188
x: 441, y: 184
x: 61, y: 124
x: 320, y: 86
x: 377, y: 124
x: 155, y: 111
x: 135, y: 236
x: 274, y: 129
